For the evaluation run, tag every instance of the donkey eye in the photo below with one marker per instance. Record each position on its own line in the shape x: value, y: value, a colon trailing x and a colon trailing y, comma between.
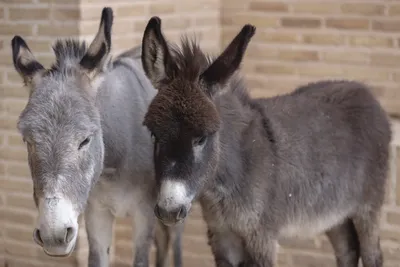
x: 200, y: 141
x: 84, y: 143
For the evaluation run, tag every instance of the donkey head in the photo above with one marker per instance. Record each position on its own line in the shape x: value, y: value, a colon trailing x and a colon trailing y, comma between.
x: 182, y: 118
x: 61, y: 128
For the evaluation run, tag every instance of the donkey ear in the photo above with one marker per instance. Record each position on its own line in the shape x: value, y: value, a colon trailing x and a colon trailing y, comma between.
x: 24, y: 61
x: 229, y: 61
x: 101, y: 45
x: 155, y: 52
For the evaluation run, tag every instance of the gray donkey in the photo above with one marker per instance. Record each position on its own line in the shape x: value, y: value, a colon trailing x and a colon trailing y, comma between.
x: 87, y: 149
x: 307, y: 162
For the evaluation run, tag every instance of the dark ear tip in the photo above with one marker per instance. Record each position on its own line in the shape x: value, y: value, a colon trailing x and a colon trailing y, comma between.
x: 154, y: 22
x: 107, y: 16
x: 249, y: 30
x: 17, y: 41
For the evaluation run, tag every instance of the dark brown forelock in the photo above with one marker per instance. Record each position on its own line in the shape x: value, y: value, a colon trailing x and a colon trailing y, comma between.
x: 180, y: 107
x: 181, y: 104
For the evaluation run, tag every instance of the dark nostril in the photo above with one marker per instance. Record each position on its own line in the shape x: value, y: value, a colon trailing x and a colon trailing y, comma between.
x: 37, y: 238
x: 181, y: 213
x: 69, y: 234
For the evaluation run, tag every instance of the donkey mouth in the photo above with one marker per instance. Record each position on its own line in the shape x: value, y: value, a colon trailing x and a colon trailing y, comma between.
x: 59, y: 255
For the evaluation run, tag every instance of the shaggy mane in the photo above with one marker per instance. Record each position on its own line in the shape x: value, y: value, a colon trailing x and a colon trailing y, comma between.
x: 191, y: 61
x: 68, y: 54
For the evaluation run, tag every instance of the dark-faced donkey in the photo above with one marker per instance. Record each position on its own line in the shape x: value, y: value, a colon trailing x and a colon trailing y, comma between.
x: 87, y: 148
x: 307, y: 162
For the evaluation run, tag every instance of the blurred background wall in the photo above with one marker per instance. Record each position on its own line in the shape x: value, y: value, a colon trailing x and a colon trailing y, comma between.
x: 296, y: 41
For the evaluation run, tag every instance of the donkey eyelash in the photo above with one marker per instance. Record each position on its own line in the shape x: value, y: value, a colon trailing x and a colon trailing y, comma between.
x: 199, y: 140
x: 84, y: 143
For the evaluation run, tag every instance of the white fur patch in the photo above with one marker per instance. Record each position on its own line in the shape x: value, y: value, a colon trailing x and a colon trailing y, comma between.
x: 55, y: 216
x: 173, y: 194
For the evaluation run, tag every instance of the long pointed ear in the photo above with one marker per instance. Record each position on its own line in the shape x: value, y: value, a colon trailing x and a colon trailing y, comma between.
x: 24, y: 61
x: 100, y: 48
x: 155, y: 53
x: 229, y: 61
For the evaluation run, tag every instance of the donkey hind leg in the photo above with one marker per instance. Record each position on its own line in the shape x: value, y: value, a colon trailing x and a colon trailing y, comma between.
x: 99, y: 222
x: 162, y: 241
x: 143, y: 237
x: 345, y: 243
x: 367, y: 226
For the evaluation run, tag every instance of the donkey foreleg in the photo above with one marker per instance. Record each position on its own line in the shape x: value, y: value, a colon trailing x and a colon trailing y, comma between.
x: 99, y: 222
x: 226, y: 248
x: 143, y: 237
x: 261, y: 250
x: 177, y: 245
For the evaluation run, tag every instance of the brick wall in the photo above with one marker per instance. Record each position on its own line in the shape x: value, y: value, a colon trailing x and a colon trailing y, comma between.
x: 296, y: 41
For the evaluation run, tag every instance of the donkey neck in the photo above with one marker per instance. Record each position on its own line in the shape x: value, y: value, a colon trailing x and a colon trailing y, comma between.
x: 244, y: 129
x: 123, y: 98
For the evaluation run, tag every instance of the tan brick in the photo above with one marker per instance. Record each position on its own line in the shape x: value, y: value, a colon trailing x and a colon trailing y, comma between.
x: 17, y: 249
x: 262, y: 53
x: 276, y: 37
x: 176, y: 23
x: 13, y: 91
x: 323, y: 39
x: 18, y: 170
x: 240, y: 19
x: 22, y: 234
x: 8, y: 123
x: 16, y: 186
x: 19, y: 29
x: 386, y: 25
x: 368, y: 9
x: 345, y: 57
x: 393, y: 218
x: 21, y: 201
x: 67, y: 14
x: 371, y: 41
x: 362, y: 73
x: 15, y: 140
x: 18, y: 1
x: 313, y: 8
x: 124, y: 249
x: 347, y: 23
x: 306, y: 244
x: 298, y: 55
x: 13, y: 154
x: 385, y: 59
x: 394, y: 10
x: 300, y: 22
x: 19, y: 217
x: 320, y: 71
x: 161, y: 8
x: 130, y: 11
x: 391, y: 235
x: 14, y: 107
x: 66, y: 30
x: 2, y: 169
x: 260, y: 6
x: 200, y: 6
x: 196, y: 245
x: 29, y: 14
x: 92, y: 14
x: 123, y: 234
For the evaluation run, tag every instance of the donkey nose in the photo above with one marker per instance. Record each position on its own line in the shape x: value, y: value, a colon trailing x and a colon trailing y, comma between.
x: 170, y: 216
x: 57, y: 243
